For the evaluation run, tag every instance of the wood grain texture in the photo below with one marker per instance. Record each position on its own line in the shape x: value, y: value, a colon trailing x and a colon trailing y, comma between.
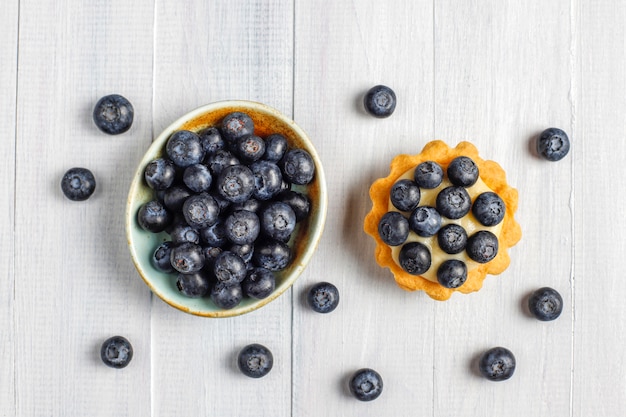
x: 209, y: 52
x: 75, y: 283
x: 342, y: 50
x: 599, y: 367
x: 9, y: 24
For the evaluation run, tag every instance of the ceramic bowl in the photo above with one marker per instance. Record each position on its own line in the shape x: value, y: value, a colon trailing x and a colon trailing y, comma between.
x: 304, y: 240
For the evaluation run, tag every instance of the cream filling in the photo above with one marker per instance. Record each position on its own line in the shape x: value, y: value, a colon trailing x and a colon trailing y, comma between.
x: 468, y: 222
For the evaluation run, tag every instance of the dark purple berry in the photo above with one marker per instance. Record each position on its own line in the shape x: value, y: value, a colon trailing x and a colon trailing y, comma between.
x: 161, y: 257
x: 393, y: 228
x: 453, y: 202
x: 366, y: 384
x: 242, y: 227
x: 215, y: 235
x: 497, y: 364
x: 452, y: 273
x: 278, y: 221
x: 482, y: 246
x: 255, y: 361
x: 489, y: 209
x: 380, y: 101
x: 250, y: 148
x: 226, y: 296
x: 184, y: 148
x: 182, y: 233
x: 275, y: 147
x: 153, y: 217
x: 428, y: 175
x: 197, y: 178
x: 201, y: 211
x: 236, y: 125
x: 415, y: 258
x: 553, y: 144
x: 113, y: 114
x: 194, y: 285
x: 116, y: 352
x: 425, y: 221
x: 405, y: 195
x: 462, y: 171
x: 323, y: 297
x: 175, y: 196
x: 299, y: 202
x: 229, y: 268
x: 211, y: 141
x: 160, y: 174
x: 272, y: 255
x: 259, y: 283
x: 546, y: 304
x: 187, y: 258
x: 220, y: 160
x: 236, y: 183
x: 78, y: 184
x: 298, y: 167
x: 268, y: 180
x: 452, y: 238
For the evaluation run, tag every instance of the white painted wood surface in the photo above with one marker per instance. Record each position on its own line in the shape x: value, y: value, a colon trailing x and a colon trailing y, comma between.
x: 492, y: 72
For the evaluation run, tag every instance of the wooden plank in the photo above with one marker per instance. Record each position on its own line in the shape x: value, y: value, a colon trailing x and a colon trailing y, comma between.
x: 209, y: 52
x: 599, y: 367
x: 502, y: 75
x: 342, y: 50
x: 9, y: 24
x: 75, y: 284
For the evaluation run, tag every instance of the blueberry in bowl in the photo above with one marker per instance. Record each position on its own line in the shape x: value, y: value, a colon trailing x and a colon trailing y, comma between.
x: 239, y: 218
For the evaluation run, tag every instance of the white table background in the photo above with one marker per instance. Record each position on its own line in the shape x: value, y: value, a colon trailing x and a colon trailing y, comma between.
x: 493, y: 72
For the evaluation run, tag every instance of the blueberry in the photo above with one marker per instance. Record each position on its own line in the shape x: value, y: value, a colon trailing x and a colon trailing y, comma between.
x: 488, y: 208
x: 244, y: 251
x: 452, y: 273
x: 175, y: 196
x: 197, y: 178
x: 210, y: 255
x: 454, y: 202
x: 271, y: 254
x: 250, y: 204
x: 546, y: 304
x: 405, y: 195
x: 161, y: 257
x: 194, y: 285
x: 226, y: 296
x: 380, y: 101
x: 229, y: 268
x: 298, y: 167
x: 275, y: 147
x: 236, y: 183
x: 222, y: 203
x: 236, y: 125
x: 220, y: 160
x: 160, y: 174
x: 184, y: 148
x: 278, y: 220
x: 393, y: 228
x: 482, y: 246
x: 553, y: 144
x: 366, y: 384
x: 182, y: 233
x: 415, y: 258
x: 200, y: 211
x: 250, y: 148
x: 215, y: 235
x: 299, y: 202
x: 242, y: 227
x: 268, y: 179
x: 113, y: 114
x: 154, y: 217
x: 425, y: 221
x: 78, y: 184
x: 428, y: 174
x: 255, y: 360
x: 211, y: 141
x: 452, y: 238
x: 116, y: 352
x: 323, y: 297
x: 462, y: 171
x: 187, y: 258
x: 497, y: 364
x: 259, y: 283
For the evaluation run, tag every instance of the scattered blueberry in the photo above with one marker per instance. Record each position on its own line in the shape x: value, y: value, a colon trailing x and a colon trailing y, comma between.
x: 453, y: 202
x: 160, y: 174
x: 272, y: 255
x: 393, y: 228
x: 184, y: 148
x: 250, y: 148
x: 299, y: 202
x: 366, y: 384
x: 380, y: 101
x: 236, y: 183
x: 323, y: 297
x: 182, y: 233
x: 415, y: 258
x: 275, y: 147
x: 452, y: 273
x: 462, y: 171
x: 553, y: 144
x: 425, y: 221
x: 113, y: 114
x: 497, y: 364
x: 78, y: 184
x: 405, y: 195
x: 220, y: 160
x: 154, y: 217
x: 200, y: 210
x: 116, y: 352
x: 161, y: 257
x: 197, y: 178
x: 187, y: 258
x: 482, y: 246
x: 193, y: 285
x: 211, y: 141
x: 229, y: 268
x: 268, y: 180
x: 452, y: 238
x: 255, y: 360
x: 546, y: 304
x: 489, y: 209
x: 278, y: 221
x: 298, y: 166
x: 428, y: 174
x: 259, y: 283
x: 242, y: 227
x: 226, y: 296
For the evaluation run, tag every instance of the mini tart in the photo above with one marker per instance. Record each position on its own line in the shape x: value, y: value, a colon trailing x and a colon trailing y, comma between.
x: 490, y: 173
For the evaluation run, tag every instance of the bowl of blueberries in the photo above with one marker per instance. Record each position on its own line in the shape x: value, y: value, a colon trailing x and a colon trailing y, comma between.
x: 226, y: 209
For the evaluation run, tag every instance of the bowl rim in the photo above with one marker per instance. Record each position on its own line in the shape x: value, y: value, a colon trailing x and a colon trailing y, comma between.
x: 316, y: 227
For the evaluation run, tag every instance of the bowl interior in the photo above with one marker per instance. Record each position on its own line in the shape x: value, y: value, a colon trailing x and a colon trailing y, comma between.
x: 304, y: 239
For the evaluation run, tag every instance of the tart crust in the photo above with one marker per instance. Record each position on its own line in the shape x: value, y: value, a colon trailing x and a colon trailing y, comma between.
x: 494, y: 177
